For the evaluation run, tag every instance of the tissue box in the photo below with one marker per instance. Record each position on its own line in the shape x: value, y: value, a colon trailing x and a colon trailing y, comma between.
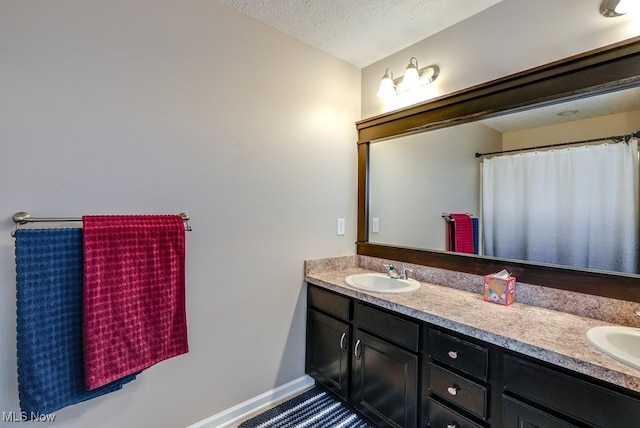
x: 499, y: 289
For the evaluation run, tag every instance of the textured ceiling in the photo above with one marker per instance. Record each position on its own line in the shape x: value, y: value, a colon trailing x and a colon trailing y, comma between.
x: 359, y: 32
x: 362, y: 32
x: 601, y: 105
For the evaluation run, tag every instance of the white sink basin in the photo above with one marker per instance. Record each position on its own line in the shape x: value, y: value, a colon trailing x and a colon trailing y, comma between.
x: 621, y: 343
x: 381, y: 283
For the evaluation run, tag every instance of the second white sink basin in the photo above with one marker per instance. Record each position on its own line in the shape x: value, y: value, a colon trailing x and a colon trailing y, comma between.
x: 621, y: 343
x: 381, y: 283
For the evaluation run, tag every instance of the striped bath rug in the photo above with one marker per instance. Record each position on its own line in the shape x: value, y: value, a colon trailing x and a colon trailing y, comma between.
x: 311, y: 409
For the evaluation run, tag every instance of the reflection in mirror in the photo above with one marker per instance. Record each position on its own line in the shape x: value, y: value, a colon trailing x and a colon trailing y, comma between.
x: 416, y: 178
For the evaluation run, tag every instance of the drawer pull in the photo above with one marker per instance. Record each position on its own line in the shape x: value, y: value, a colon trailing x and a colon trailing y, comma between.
x: 356, y: 350
x: 453, y: 425
x: 453, y: 390
x: 342, y: 347
x: 453, y: 354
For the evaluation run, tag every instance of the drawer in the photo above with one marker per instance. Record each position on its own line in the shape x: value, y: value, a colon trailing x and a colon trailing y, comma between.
x: 458, y: 353
x: 458, y: 390
x: 567, y: 395
x: 443, y: 417
x: 330, y: 303
x: 387, y: 326
x: 517, y: 414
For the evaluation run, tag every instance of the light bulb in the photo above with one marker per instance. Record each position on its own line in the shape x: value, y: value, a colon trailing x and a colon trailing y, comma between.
x: 627, y: 6
x: 411, y: 76
x: 622, y: 7
x: 387, y: 88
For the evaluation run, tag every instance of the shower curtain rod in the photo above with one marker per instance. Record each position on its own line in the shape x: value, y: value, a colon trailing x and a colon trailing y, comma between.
x: 23, y: 218
x: 616, y: 138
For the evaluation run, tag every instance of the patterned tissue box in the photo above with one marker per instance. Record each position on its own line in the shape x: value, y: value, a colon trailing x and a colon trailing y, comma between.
x: 500, y: 288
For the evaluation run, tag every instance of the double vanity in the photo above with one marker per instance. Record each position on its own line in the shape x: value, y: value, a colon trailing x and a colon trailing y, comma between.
x: 440, y: 356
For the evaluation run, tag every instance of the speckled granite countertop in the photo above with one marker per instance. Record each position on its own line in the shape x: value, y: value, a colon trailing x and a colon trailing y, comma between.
x: 548, y: 335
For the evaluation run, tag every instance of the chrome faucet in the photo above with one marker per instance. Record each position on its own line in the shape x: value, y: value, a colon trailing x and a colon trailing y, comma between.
x: 392, y: 272
x: 404, y: 274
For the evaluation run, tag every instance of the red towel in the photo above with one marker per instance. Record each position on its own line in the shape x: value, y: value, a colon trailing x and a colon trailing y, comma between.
x: 463, y: 233
x: 134, y: 294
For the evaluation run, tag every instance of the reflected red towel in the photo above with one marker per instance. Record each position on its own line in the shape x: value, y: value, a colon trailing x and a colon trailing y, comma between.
x: 134, y: 294
x: 463, y: 233
x: 451, y: 233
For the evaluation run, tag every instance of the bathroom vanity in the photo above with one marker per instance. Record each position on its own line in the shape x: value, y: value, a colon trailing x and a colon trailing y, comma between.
x: 442, y: 357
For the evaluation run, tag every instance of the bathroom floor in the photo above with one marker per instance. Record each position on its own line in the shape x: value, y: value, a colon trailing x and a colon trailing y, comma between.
x: 236, y: 424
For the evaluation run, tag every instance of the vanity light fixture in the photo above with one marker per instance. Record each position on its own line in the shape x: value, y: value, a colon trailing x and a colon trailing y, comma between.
x: 413, y: 78
x: 613, y: 8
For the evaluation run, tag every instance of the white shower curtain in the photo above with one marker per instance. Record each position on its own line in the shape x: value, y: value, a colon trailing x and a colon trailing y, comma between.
x: 574, y: 206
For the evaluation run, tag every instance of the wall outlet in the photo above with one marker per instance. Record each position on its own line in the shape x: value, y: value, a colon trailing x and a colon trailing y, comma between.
x: 375, y: 225
x: 341, y: 227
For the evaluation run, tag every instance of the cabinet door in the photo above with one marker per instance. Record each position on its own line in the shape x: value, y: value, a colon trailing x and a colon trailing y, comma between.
x: 568, y: 395
x: 385, y: 382
x: 520, y: 415
x: 327, y: 357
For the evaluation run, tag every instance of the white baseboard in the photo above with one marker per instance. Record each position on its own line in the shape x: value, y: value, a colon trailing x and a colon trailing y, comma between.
x: 262, y: 401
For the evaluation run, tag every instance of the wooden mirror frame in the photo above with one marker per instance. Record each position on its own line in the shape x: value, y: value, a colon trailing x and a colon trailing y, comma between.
x: 595, y: 72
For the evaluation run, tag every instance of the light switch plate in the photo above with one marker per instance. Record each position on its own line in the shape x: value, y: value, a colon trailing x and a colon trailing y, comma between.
x: 341, y: 227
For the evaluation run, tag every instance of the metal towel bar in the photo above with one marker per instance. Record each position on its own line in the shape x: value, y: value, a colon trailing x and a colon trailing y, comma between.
x: 23, y: 218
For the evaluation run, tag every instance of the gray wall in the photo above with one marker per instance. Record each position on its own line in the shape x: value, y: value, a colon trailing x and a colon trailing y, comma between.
x: 162, y: 106
x: 145, y: 106
x: 416, y: 178
x: 512, y: 36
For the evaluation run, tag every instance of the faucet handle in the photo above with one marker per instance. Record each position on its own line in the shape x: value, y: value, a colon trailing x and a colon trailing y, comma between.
x: 404, y: 274
x: 392, y: 271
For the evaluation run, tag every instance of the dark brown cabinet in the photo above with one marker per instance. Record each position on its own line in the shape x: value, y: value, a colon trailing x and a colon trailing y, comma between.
x: 458, y: 354
x: 328, y: 353
x: 456, y: 386
x: 329, y: 331
x: 371, y: 362
x: 385, y: 368
x: 574, y: 399
x: 458, y: 390
x: 400, y: 372
x: 385, y: 383
x: 440, y: 416
x: 520, y: 415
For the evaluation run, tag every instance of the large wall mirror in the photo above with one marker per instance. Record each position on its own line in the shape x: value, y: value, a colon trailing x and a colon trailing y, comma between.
x: 419, y: 163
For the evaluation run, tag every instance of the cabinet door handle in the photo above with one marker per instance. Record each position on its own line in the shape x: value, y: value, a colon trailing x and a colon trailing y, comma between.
x: 356, y: 350
x: 453, y: 354
x: 342, y: 347
x: 453, y: 425
x: 453, y: 390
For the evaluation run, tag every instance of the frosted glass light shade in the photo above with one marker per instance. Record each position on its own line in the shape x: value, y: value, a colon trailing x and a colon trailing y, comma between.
x: 387, y: 88
x: 614, y: 8
x: 411, y: 76
x: 627, y: 6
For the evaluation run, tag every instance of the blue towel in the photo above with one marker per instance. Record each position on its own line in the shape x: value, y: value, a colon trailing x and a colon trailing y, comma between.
x: 476, y: 240
x: 49, y: 268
